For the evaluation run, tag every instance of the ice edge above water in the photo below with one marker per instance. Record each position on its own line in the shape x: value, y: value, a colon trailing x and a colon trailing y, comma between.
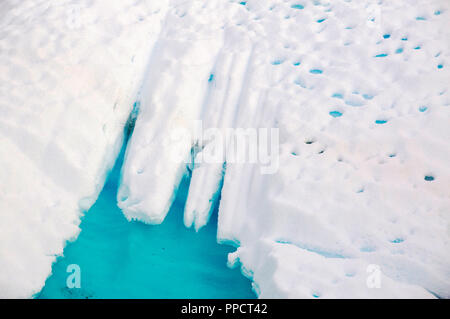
x: 54, y: 287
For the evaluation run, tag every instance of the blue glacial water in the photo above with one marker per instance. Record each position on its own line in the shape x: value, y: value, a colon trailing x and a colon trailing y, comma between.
x: 121, y: 259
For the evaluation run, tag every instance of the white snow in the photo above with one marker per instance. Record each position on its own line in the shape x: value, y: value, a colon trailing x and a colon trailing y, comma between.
x: 348, y: 95
x: 69, y: 74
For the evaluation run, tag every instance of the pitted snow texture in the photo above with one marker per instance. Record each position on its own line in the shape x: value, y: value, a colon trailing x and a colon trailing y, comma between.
x: 359, y: 92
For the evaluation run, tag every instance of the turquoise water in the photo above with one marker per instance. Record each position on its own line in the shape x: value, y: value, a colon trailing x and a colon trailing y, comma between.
x: 121, y: 259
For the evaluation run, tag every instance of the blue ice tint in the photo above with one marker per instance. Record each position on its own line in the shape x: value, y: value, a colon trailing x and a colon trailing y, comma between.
x: 336, y: 114
x: 315, y: 71
x: 297, y: 6
x: 338, y: 96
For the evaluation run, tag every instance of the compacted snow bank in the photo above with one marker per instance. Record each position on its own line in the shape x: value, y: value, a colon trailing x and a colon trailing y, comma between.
x: 358, y: 91
x: 69, y: 74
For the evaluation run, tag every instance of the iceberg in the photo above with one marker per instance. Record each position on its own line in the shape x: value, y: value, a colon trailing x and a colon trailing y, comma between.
x: 361, y: 185
x: 70, y: 75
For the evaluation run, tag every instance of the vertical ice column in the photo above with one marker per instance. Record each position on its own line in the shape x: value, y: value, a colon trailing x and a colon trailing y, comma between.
x: 221, y: 106
x: 172, y: 98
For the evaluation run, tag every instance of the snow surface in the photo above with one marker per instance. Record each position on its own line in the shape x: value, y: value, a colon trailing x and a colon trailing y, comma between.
x: 69, y: 74
x: 359, y: 92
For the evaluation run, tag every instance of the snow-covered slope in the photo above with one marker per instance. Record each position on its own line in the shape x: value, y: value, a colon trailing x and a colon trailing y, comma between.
x: 358, y: 91
x: 69, y: 74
